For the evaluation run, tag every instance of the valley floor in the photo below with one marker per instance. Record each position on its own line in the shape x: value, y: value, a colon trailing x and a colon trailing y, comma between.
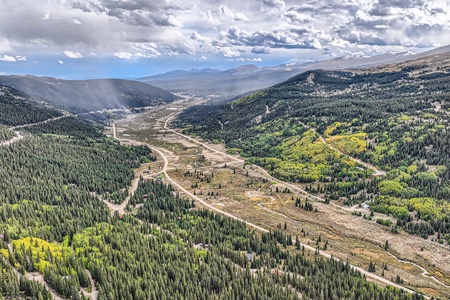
x: 226, y: 184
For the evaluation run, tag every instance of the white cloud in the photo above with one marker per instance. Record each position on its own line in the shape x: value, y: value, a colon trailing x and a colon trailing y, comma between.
x: 123, y: 55
x: 5, y: 46
x: 46, y: 16
x: 21, y: 58
x: 227, y: 52
x: 209, y: 18
x: 261, y: 50
x: 272, y: 5
x: 146, y: 50
x: 60, y: 62
x: 173, y: 21
x: 72, y: 54
x: 7, y: 58
x: 160, y: 29
x: 226, y: 12
x: 296, y: 15
x: 142, y: 55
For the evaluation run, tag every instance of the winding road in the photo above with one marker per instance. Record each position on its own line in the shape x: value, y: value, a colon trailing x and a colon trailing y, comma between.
x: 272, y: 200
x: 33, y: 276
x: 377, y: 172
x: 294, y: 187
x: 17, y: 138
x: 94, y: 293
x: 64, y: 115
x: 120, y: 208
x: 262, y: 229
x: 424, y: 271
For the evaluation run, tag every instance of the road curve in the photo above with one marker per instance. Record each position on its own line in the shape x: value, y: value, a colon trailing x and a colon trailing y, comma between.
x: 120, y: 208
x: 327, y: 255
x: 65, y: 115
x: 262, y: 229
x: 377, y: 172
x: 17, y: 138
x: 94, y: 293
x: 268, y: 176
x: 424, y: 271
x: 304, y: 192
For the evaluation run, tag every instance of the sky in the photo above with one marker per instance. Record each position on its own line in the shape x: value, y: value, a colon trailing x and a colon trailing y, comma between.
x: 135, y: 38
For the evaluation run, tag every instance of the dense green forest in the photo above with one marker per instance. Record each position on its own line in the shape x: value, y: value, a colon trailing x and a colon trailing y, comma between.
x: 53, y: 222
x: 395, y: 120
x: 18, y: 109
x: 6, y: 134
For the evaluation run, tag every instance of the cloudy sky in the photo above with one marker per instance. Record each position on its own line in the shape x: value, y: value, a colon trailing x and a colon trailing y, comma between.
x: 132, y: 38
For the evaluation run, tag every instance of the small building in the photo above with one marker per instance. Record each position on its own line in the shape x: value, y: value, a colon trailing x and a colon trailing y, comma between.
x: 365, y: 206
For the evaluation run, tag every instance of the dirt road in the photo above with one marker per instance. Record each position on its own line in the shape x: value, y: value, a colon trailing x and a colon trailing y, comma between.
x: 327, y: 255
x: 94, y: 293
x: 120, y: 208
x: 17, y: 138
x: 260, y: 228
x: 65, y: 115
x: 33, y: 276
x: 377, y: 172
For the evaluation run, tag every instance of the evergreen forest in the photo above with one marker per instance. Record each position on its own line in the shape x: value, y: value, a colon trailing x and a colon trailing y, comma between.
x: 312, y: 129
x: 54, y: 225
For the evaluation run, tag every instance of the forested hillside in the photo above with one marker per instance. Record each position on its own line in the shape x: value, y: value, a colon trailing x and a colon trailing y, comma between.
x: 6, y: 134
x: 18, y: 109
x: 89, y: 95
x: 53, y: 224
x: 394, y: 117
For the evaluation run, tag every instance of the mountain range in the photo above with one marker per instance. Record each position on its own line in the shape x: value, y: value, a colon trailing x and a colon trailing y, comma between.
x: 219, y: 86
x: 225, y: 85
x: 88, y: 95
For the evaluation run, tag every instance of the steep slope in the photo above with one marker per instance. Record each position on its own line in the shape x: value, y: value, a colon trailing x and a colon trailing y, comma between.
x: 87, y: 95
x: 16, y: 108
x: 376, y: 93
x: 313, y: 128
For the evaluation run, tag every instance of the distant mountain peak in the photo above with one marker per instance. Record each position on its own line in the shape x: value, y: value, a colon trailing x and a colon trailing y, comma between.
x: 245, y: 69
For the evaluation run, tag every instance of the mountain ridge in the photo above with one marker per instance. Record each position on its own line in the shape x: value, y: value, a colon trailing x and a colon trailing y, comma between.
x: 242, y: 79
x: 87, y: 95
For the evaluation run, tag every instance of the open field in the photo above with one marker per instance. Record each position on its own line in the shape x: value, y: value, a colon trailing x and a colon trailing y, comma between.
x: 225, y: 182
